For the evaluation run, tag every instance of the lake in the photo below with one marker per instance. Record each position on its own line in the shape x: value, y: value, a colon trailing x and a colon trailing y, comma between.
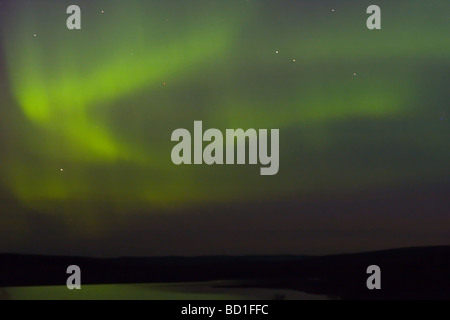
x: 177, y: 291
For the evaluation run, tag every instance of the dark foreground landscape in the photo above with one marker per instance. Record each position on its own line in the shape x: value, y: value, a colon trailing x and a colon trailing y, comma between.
x: 411, y: 273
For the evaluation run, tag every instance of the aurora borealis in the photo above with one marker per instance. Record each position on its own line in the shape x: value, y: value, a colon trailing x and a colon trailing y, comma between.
x: 86, y: 118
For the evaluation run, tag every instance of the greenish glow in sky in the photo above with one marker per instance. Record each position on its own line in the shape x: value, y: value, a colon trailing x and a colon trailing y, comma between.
x: 356, y: 109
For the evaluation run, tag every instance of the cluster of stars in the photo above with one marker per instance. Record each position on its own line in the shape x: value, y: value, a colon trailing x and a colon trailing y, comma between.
x: 293, y: 60
x: 35, y: 34
x: 277, y: 52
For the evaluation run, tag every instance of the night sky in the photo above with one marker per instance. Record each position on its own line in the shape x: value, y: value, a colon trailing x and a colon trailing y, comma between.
x: 86, y: 118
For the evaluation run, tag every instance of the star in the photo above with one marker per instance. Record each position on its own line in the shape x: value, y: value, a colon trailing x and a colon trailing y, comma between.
x: 293, y: 60
x: 61, y: 170
x: 35, y: 35
x: 354, y: 74
x: 332, y: 10
x: 276, y: 51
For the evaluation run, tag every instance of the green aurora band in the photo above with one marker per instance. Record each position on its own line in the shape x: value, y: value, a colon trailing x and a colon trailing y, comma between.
x: 101, y: 103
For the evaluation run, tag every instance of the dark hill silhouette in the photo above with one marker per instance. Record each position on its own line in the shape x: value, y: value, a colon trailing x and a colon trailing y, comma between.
x: 410, y: 273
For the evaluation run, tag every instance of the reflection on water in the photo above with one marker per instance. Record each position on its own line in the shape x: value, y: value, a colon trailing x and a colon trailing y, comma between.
x: 178, y: 291
x: 4, y: 294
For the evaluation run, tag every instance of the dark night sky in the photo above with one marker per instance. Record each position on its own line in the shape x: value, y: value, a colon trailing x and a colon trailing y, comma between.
x: 86, y: 118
